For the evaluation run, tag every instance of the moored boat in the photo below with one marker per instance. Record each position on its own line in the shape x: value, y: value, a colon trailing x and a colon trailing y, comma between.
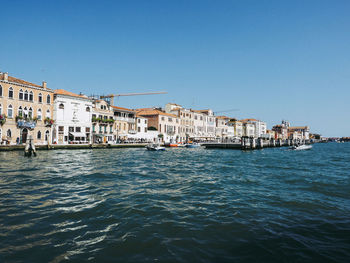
x: 155, y: 147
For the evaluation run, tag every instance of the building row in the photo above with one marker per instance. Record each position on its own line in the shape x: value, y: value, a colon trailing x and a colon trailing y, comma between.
x: 28, y: 110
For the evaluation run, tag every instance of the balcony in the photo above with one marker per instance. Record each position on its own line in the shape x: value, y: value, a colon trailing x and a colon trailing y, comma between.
x: 132, y: 132
x: 129, y: 120
x: 26, y: 124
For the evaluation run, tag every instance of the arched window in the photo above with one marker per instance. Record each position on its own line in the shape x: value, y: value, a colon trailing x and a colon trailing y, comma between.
x: 39, y: 135
x: 25, y: 113
x: 48, y: 114
x: 20, y: 111
x: 88, y: 109
x: 0, y: 93
x: 30, y: 113
x: 40, y: 98
x: 26, y: 95
x: 9, y: 134
x: 11, y: 93
x: 48, y: 99
x: 31, y: 96
x: 39, y: 114
x: 47, y: 134
x: 10, y: 111
x: 20, y: 94
x: 61, y: 106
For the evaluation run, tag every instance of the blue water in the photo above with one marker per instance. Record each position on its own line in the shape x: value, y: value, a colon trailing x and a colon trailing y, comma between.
x: 181, y: 205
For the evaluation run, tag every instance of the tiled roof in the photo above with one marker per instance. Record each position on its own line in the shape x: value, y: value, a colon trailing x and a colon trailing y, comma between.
x: 68, y: 93
x: 121, y: 108
x: 246, y: 120
x: 222, y: 117
x: 150, y: 112
x: 298, y: 128
x: 19, y: 81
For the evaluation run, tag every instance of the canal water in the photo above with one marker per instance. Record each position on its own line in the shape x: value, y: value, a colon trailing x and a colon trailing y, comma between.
x: 181, y: 205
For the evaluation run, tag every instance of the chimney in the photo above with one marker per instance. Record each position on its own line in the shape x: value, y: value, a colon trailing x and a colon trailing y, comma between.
x: 44, y: 85
x: 6, y: 76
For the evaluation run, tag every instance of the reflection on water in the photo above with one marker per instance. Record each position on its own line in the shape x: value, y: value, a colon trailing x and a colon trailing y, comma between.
x: 181, y: 205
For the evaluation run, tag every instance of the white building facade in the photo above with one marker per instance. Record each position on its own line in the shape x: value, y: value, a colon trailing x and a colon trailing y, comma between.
x: 72, y: 115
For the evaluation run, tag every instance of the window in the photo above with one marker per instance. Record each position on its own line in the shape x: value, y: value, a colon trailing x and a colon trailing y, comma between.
x: 26, y: 95
x: 60, y: 129
x: 138, y: 121
x: 39, y: 114
x: 0, y: 91
x: 47, y: 135
x: 88, y: 109
x: 87, y: 129
x: 77, y: 129
x: 61, y: 106
x: 139, y: 129
x: 30, y: 113
x: 48, y: 114
x: 162, y: 118
x: 40, y: 98
x: 48, y: 99
x: 20, y: 111
x: 100, y: 129
x: 0, y: 113
x: 93, y: 128
x: 9, y: 112
x: 111, y: 129
x: 20, y: 96
x: 11, y: 93
x: 9, y: 133
x: 31, y: 96
x: 71, y: 129
x: 25, y: 112
x: 39, y: 135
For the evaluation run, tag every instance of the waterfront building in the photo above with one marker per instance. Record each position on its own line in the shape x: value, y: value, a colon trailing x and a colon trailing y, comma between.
x: 167, y: 124
x: 209, y: 124
x: 248, y: 129
x: 260, y: 127
x: 204, y: 125
x: 270, y: 134
x: 186, y: 117
x: 281, y: 130
x: 221, y: 127
x: 237, y: 126
x: 25, y: 111
x: 125, y: 123
x: 102, y: 121
x: 72, y: 114
x: 142, y: 133
x: 302, y: 132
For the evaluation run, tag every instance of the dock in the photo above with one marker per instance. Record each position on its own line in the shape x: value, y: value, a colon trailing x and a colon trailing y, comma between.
x: 253, y: 143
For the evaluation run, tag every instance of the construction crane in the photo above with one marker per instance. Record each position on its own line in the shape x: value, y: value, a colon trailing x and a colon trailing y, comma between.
x: 222, y: 111
x: 111, y: 96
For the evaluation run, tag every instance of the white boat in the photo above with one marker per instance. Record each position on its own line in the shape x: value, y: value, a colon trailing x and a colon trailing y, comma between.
x: 155, y: 147
x: 302, y: 147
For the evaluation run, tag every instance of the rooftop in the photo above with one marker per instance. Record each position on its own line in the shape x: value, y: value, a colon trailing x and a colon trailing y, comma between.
x: 19, y: 81
x: 68, y: 93
x: 150, y: 112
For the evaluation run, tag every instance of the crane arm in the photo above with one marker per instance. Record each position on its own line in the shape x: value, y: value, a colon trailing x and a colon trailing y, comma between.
x: 133, y: 94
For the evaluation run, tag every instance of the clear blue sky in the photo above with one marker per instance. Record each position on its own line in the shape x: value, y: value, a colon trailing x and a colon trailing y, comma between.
x: 273, y: 60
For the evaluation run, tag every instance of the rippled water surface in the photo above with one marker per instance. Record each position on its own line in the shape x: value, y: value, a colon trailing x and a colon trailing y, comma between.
x: 182, y: 205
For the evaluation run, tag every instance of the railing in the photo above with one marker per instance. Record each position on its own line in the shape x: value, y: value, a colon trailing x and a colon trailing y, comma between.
x: 125, y: 119
x: 26, y: 124
x: 132, y: 131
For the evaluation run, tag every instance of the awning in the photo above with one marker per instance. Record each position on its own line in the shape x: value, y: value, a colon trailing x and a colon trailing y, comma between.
x: 78, y: 134
x: 99, y: 135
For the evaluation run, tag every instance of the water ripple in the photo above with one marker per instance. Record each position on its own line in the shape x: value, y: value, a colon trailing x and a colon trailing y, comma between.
x: 131, y: 205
